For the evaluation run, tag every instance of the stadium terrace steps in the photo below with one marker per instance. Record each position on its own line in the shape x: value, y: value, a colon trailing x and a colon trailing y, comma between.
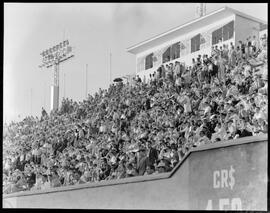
x: 229, y: 175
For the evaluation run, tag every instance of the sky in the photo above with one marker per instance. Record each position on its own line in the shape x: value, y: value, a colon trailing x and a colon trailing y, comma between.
x: 93, y: 30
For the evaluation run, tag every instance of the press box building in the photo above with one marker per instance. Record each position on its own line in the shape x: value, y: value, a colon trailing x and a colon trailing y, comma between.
x: 196, y: 37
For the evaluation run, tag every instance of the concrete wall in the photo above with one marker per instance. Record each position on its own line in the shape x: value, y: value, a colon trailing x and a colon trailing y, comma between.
x: 195, y: 183
x: 151, y: 192
x: 231, y: 178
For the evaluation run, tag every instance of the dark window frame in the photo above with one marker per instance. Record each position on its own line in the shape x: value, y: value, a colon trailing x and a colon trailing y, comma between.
x: 228, y: 31
x: 175, y: 51
x: 166, y: 56
x: 224, y: 33
x: 217, y: 35
x: 195, y: 43
x: 149, y: 61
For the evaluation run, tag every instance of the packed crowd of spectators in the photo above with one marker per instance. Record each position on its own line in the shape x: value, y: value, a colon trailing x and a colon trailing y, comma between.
x: 141, y: 128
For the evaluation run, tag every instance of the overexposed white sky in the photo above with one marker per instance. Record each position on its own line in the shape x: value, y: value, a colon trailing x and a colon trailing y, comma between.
x: 94, y: 29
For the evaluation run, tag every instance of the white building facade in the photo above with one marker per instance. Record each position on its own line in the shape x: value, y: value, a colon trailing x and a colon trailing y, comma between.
x: 195, y: 38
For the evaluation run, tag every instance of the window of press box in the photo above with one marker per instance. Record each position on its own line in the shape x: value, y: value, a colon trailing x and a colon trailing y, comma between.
x: 166, y: 56
x: 195, y: 43
x: 175, y: 51
x: 227, y: 31
x: 216, y: 36
x: 149, y: 61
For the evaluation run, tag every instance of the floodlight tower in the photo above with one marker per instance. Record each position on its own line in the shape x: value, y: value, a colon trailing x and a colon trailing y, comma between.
x: 52, y: 57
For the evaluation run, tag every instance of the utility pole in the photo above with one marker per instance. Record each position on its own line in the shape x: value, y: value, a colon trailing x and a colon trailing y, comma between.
x: 86, y: 81
x: 44, y: 95
x: 110, y: 67
x: 64, y: 34
x: 64, y: 85
x: 31, y: 101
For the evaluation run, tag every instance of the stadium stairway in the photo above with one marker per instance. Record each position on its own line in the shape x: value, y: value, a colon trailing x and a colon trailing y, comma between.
x: 229, y: 175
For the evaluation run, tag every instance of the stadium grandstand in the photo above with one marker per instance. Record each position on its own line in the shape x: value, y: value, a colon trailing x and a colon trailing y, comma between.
x: 150, y: 127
